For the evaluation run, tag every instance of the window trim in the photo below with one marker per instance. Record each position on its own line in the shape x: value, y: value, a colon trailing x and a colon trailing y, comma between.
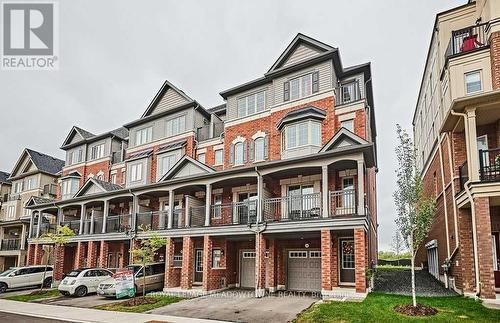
x: 219, y: 250
x: 237, y: 163
x: 146, y: 141
x: 171, y: 119
x: 480, y: 72
x: 132, y: 166
x: 300, y: 89
x: 97, y: 148
x: 309, y: 134
x: 204, y: 157
x: 246, y: 97
x: 255, y: 159
x: 221, y: 150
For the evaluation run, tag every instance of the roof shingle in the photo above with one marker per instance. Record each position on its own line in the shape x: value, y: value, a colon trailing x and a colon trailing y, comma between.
x: 45, y: 163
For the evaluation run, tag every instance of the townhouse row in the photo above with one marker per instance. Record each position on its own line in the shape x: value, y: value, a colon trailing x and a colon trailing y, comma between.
x: 274, y: 189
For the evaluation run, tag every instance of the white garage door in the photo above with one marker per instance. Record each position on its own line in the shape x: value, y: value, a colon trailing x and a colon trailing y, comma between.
x: 247, y: 269
x: 304, y: 270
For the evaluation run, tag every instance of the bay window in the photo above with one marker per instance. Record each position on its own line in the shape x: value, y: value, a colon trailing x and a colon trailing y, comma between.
x: 302, y: 134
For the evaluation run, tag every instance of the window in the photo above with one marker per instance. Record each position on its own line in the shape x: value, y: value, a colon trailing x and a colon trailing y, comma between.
x: 135, y: 172
x: 217, y: 206
x: 314, y: 254
x: 201, y: 158
x: 69, y: 187
x: 219, y: 157
x: 301, y: 86
x: 259, y: 149
x: 249, y: 254
x: 75, y: 156
x: 251, y: 104
x: 113, y: 178
x: 100, y: 177
x: 238, y: 153
x: 123, y: 176
x: 30, y: 183
x: 97, y: 151
x: 473, y: 82
x: 301, y: 134
x: 143, y: 136
x: 216, y: 258
x: 177, y: 260
x: 18, y: 187
x: 297, y: 254
x: 348, y: 124
x: 348, y: 254
x: 167, y: 162
x: 11, y: 211
x: 176, y: 125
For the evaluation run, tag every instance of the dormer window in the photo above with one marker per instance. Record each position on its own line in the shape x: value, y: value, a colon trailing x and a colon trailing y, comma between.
x: 301, y: 86
x: 75, y: 156
x: 143, y: 136
x: 251, y: 104
x: 97, y: 152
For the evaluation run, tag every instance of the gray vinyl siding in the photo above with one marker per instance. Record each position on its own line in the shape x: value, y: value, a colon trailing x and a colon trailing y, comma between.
x: 160, y: 126
x: 327, y: 79
x: 232, y: 101
x: 145, y: 162
x: 170, y: 99
x: 199, y: 120
x: 106, y: 143
x: 76, y: 138
x: 75, y: 150
x: 302, y: 53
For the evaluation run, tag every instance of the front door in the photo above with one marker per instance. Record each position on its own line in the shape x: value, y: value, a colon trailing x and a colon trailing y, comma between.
x: 247, y: 213
x: 347, y: 261
x: 496, y: 257
x: 198, y: 266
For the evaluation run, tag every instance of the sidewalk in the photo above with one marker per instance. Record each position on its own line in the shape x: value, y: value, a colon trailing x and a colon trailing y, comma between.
x: 75, y: 314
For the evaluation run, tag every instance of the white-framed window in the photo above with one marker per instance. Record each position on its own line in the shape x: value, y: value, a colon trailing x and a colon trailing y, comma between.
x: 251, y: 104
x: 302, y: 133
x: 177, y: 260
x: 259, y: 149
x: 11, y: 211
x: 69, y: 187
x: 27, y: 212
x: 348, y: 124
x: 201, y: 158
x: 136, y: 172
x: 217, y: 206
x: 473, y: 82
x: 176, y: 125
x: 297, y: 254
x: 100, y: 176
x: 97, y: 151
x: 143, y: 136
x: 31, y: 183
x: 219, y: 156
x: 301, y: 86
x: 18, y: 187
x: 347, y: 254
x: 216, y: 258
x: 113, y: 178
x: 167, y: 162
x: 238, y: 153
x: 75, y: 156
x: 315, y: 254
x: 249, y: 254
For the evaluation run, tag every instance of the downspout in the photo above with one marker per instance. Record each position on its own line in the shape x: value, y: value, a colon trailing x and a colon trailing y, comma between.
x: 472, y: 207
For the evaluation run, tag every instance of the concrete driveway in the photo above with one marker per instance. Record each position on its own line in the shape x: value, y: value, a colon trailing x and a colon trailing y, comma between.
x: 241, y: 306
x: 88, y: 301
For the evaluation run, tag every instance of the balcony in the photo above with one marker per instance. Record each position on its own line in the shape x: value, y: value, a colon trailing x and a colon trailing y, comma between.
x: 489, y: 165
x: 234, y: 213
x: 297, y: 207
x: 154, y: 220
x: 118, y: 223
x: 73, y: 225
x: 348, y: 93
x: 204, y: 133
x: 466, y: 40
x: 10, y: 244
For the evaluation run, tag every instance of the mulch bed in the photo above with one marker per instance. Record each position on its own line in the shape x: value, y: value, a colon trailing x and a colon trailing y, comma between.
x: 39, y: 292
x: 139, y: 301
x: 419, y: 310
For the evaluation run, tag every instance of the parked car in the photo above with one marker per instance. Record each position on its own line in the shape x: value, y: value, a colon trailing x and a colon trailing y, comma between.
x: 155, y: 278
x: 17, y: 277
x: 80, y: 282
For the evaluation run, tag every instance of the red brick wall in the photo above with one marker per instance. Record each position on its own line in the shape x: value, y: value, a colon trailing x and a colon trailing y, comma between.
x: 485, y: 253
x: 326, y: 260
x: 495, y: 59
x: 360, y: 259
x: 59, y: 260
x: 187, y: 262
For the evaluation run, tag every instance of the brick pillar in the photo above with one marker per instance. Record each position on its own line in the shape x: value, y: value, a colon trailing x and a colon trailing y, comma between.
x: 260, y: 265
x: 280, y: 270
x: 360, y: 259
x: 335, y: 261
x: 466, y: 262
x: 187, y: 263
x: 485, y: 252
x: 326, y: 260
x: 169, y: 264
x: 122, y: 251
x: 58, y: 262
x: 272, y: 275
x: 31, y: 254
x: 103, y: 256
x: 136, y: 245
x: 92, y: 254
x: 208, y: 284
x: 81, y: 255
x: 38, y: 254
x: 495, y: 59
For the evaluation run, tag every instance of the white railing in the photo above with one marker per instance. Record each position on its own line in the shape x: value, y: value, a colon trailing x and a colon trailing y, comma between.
x: 342, y: 202
x: 295, y: 207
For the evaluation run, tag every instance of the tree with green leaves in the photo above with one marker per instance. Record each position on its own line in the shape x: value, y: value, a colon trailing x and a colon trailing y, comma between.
x: 397, y: 243
x: 59, y: 239
x: 414, y: 210
x: 147, y: 251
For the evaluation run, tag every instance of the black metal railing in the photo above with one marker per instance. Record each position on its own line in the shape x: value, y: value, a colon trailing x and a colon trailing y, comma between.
x: 10, y: 244
x: 463, y: 175
x: 489, y: 165
x: 72, y: 224
x: 154, y: 220
x: 348, y: 92
x: 118, y: 223
x: 466, y: 40
x: 295, y: 207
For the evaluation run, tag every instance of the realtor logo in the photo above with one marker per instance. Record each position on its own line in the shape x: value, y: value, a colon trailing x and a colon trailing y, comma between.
x: 29, y: 39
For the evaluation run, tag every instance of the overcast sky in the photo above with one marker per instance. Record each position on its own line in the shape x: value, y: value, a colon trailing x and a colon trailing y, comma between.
x: 114, y: 56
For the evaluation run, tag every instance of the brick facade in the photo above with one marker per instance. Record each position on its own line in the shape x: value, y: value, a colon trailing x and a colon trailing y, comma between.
x: 187, y: 262
x: 59, y: 260
x: 495, y: 59
x: 326, y: 260
x: 485, y: 253
x: 360, y: 259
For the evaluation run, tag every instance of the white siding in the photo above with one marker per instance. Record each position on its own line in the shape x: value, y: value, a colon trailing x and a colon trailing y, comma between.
x: 170, y: 99
x: 302, y: 53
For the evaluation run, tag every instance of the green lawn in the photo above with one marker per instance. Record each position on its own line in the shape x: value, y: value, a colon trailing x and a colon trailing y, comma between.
x: 378, y: 307
x: 36, y: 295
x: 126, y: 307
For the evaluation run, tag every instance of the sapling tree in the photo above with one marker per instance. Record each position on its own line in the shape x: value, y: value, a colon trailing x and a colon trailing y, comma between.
x: 397, y: 243
x: 414, y: 210
x: 59, y: 239
x: 147, y: 251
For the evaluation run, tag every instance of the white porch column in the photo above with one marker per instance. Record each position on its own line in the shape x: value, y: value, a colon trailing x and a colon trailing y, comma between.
x: 208, y: 200
x: 170, y: 209
x: 361, y: 187
x: 92, y: 217
x: 260, y: 196
x: 39, y: 224
x: 83, y: 211
x: 473, y: 152
x: 23, y: 237
x: 187, y: 212
x: 105, y: 214
x: 31, y: 225
x: 325, y: 210
x: 59, y: 216
x: 135, y: 210
x: 161, y: 215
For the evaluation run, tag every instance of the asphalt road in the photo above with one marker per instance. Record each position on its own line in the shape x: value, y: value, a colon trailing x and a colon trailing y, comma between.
x: 16, y: 318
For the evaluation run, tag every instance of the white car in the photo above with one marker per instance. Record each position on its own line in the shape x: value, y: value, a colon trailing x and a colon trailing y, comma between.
x: 17, y: 277
x: 80, y: 282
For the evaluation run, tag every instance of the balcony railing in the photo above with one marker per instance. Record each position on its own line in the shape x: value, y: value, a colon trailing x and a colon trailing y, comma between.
x: 72, y: 224
x: 10, y: 244
x: 295, y: 207
x: 203, y: 133
x: 118, y: 223
x: 348, y: 92
x: 197, y: 218
x: 489, y: 165
x: 48, y: 228
x: 467, y: 40
x: 342, y: 202
x: 234, y: 213
x: 178, y: 218
x: 154, y: 220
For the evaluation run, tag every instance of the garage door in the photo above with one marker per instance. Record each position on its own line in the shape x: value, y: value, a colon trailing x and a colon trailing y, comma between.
x: 247, y: 269
x: 304, y: 270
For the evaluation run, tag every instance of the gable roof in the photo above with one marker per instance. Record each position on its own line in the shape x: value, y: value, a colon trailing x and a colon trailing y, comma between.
x: 43, y: 163
x: 157, y: 98
x: 4, y: 178
x: 343, y: 137
x: 102, y: 186
x: 299, y: 40
x: 183, y: 163
x: 88, y: 137
x: 36, y: 200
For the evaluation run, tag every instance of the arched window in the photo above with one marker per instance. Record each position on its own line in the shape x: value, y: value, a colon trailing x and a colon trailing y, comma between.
x: 259, y: 149
x: 238, y: 153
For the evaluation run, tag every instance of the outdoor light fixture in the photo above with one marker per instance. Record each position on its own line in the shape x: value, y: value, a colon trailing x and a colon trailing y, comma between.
x: 306, y: 245
x: 222, y: 252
